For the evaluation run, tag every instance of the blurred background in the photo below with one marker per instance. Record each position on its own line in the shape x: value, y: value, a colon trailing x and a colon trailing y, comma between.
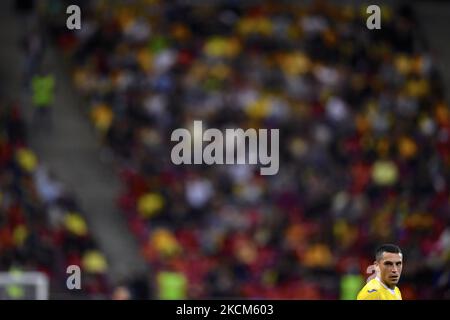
x: 85, y: 171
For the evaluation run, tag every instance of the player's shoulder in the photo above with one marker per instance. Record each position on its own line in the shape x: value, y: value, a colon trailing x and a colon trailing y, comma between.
x: 373, y: 284
x: 370, y: 291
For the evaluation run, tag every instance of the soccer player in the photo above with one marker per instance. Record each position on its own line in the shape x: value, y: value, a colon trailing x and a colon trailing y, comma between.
x: 389, y: 263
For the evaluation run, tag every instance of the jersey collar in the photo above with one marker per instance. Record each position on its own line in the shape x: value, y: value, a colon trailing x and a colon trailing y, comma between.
x: 385, y: 286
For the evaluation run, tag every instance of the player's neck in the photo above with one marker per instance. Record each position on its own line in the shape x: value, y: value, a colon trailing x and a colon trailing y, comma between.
x: 392, y: 287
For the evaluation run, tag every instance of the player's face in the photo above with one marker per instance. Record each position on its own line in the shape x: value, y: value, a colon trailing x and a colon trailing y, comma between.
x: 390, y: 268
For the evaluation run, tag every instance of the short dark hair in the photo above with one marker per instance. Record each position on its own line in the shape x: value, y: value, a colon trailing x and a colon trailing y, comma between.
x: 392, y: 248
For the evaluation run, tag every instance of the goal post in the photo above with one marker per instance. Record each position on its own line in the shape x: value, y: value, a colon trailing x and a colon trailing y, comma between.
x: 24, y: 286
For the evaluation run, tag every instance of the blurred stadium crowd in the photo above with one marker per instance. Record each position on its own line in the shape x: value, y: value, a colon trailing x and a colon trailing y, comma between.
x: 364, y: 152
x: 41, y: 225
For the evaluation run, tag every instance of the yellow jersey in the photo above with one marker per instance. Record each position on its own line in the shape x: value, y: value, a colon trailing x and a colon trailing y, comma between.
x: 376, y: 290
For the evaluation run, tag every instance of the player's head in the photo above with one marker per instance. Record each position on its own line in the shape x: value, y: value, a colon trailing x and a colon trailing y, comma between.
x: 389, y: 260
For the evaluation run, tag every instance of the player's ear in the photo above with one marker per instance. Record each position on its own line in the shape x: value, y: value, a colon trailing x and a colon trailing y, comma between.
x: 372, y: 271
x: 377, y: 268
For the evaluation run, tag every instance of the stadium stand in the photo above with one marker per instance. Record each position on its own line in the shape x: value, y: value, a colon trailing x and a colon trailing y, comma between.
x: 365, y: 152
x: 42, y: 228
